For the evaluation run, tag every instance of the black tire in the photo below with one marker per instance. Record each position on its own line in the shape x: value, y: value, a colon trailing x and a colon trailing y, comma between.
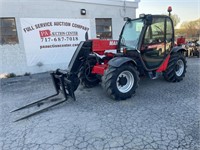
x: 112, y: 78
x: 176, y: 68
x: 198, y: 54
x: 186, y: 53
x: 88, y: 79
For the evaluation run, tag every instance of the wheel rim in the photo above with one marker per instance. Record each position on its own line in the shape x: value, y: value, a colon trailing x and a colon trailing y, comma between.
x: 125, y: 81
x: 179, y: 67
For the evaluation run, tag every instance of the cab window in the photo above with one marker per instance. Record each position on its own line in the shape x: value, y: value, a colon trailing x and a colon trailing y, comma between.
x: 154, y: 43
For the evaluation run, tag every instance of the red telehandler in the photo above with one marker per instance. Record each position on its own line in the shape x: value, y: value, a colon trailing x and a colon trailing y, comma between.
x: 145, y: 47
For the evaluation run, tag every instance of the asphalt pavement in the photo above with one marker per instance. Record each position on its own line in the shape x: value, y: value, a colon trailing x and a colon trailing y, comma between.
x: 161, y: 116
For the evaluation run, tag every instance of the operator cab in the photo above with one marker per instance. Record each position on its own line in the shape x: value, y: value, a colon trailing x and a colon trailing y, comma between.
x: 151, y: 36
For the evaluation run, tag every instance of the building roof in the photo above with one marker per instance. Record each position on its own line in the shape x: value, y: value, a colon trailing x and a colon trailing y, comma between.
x: 128, y: 3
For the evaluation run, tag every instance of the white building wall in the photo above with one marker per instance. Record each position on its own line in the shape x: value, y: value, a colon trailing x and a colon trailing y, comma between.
x: 13, y: 57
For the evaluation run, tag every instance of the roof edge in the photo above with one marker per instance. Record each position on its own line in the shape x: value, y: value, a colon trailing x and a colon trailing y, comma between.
x: 133, y: 4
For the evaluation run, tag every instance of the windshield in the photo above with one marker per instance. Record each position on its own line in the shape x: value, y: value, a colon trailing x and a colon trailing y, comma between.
x: 131, y: 34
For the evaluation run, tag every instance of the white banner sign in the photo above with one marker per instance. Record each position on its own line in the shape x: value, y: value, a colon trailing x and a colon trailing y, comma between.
x: 52, y: 41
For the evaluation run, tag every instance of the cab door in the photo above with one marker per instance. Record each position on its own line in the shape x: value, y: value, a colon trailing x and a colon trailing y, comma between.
x: 157, y: 42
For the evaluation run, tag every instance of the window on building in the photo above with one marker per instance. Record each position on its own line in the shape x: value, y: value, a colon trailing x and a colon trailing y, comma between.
x: 8, y: 31
x: 104, y: 28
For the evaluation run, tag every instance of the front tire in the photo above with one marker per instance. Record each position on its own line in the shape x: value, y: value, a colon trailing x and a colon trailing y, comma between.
x: 176, y: 68
x: 86, y: 77
x: 120, y: 83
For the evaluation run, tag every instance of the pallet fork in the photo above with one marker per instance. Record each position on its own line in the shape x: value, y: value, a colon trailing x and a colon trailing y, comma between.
x: 65, y: 82
x: 62, y: 84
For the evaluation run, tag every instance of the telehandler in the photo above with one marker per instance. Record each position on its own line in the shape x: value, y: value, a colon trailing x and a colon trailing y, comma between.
x: 145, y: 47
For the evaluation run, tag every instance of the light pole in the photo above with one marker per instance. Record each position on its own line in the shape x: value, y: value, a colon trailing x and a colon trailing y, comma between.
x: 169, y: 10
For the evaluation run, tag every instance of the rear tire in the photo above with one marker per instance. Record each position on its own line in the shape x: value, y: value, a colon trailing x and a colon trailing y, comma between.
x: 197, y: 53
x: 120, y: 83
x: 86, y: 77
x: 176, y: 68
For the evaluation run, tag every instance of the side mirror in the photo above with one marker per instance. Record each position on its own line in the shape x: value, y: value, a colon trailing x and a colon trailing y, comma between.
x: 127, y: 19
x: 142, y: 15
x: 86, y: 36
x: 148, y: 19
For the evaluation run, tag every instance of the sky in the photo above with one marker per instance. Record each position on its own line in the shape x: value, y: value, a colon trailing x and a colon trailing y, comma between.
x: 187, y: 10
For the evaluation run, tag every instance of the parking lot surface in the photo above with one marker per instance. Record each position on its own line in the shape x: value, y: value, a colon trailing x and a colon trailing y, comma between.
x: 161, y: 116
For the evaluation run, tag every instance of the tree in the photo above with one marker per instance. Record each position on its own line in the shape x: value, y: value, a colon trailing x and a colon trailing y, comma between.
x: 175, y: 19
x: 191, y: 28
